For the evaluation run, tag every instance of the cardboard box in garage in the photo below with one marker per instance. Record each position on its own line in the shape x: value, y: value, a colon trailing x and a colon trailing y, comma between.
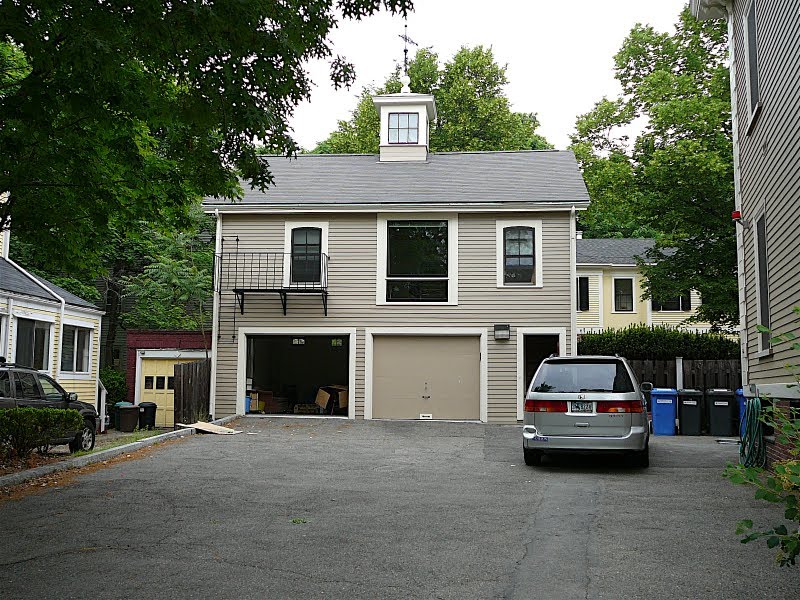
x: 324, y: 394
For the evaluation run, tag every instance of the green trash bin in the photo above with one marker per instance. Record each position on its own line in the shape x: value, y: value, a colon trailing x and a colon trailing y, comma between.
x: 117, y: 406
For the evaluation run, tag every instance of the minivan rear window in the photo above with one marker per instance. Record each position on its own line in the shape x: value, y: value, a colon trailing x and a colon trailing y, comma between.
x: 566, y: 377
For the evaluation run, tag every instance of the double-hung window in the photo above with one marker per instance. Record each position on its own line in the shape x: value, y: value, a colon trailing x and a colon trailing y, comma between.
x: 519, y: 251
x: 682, y: 303
x: 403, y: 128
x: 75, y: 349
x: 33, y: 344
x: 306, y: 255
x: 623, y: 294
x: 417, y: 261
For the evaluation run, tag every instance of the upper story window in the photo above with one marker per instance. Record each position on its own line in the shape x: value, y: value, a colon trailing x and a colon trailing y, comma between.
x: 417, y: 261
x: 751, y: 58
x: 519, y: 251
x: 75, y: 349
x: 403, y: 128
x: 682, y: 303
x: 33, y: 344
x: 623, y: 294
x: 582, y: 300
x: 306, y: 255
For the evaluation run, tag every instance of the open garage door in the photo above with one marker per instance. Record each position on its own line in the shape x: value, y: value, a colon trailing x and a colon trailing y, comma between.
x: 426, y: 377
x: 298, y: 374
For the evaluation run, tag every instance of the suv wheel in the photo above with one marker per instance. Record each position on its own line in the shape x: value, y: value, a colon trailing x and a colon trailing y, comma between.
x: 533, y: 458
x: 85, y: 438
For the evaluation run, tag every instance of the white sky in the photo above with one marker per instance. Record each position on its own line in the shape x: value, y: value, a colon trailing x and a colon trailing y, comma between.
x: 559, y: 54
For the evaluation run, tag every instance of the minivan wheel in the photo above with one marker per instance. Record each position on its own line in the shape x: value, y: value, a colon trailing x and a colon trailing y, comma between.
x: 85, y: 438
x: 640, y: 458
x: 533, y: 458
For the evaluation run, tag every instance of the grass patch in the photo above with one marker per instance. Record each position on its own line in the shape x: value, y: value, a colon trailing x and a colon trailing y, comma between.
x: 139, y: 434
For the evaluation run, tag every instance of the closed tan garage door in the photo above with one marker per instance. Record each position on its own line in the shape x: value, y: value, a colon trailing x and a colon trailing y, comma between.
x: 426, y: 375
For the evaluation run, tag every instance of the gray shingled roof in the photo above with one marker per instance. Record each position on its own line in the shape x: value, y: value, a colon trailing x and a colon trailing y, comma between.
x: 618, y: 251
x: 13, y: 279
x: 539, y: 176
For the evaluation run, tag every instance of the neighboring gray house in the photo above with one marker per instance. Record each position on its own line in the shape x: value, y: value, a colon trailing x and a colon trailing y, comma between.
x: 405, y: 285
x: 765, y: 85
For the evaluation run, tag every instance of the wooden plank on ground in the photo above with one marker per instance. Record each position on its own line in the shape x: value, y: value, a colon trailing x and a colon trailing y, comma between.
x: 209, y: 428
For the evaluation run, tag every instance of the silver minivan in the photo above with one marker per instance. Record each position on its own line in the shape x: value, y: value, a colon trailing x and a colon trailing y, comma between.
x: 586, y: 404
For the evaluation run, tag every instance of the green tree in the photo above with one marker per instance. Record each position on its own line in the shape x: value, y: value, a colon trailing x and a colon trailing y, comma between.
x: 473, y: 112
x: 116, y: 112
x: 675, y: 181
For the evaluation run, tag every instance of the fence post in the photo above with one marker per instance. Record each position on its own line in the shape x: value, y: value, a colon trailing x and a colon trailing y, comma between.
x: 679, y: 372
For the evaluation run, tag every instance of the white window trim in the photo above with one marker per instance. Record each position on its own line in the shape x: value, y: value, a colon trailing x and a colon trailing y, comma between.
x: 762, y: 350
x: 287, y: 246
x: 482, y: 333
x: 242, y: 334
x: 754, y: 111
x: 18, y: 314
x: 452, y: 256
x: 536, y: 224
x: 614, y: 310
x: 77, y: 375
x: 522, y: 386
x: 3, y: 328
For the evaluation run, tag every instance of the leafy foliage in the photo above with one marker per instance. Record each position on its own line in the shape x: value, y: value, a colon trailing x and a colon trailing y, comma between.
x: 781, y: 485
x: 674, y: 182
x: 116, y: 112
x: 473, y: 112
x: 115, y: 383
x: 23, y: 429
x: 639, y: 342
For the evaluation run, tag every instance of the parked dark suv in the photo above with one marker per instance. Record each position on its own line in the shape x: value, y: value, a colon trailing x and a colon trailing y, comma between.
x: 22, y: 386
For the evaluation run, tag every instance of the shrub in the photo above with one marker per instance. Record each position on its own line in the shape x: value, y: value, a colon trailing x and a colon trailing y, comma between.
x: 639, y: 342
x: 115, y: 384
x: 23, y: 429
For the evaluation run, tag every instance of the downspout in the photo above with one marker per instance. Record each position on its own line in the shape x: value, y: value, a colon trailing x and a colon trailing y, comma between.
x: 212, y: 399
x: 573, y: 273
x: 8, y: 329
x: 54, y: 368
x: 737, y: 195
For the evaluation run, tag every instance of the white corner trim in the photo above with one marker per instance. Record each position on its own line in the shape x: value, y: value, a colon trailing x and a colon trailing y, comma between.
x: 521, y: 332
x: 241, y: 361
x: 287, y: 244
x: 382, y: 220
x: 370, y: 332
x: 212, y: 396
x: 536, y: 224
x: 573, y: 283
x: 176, y: 354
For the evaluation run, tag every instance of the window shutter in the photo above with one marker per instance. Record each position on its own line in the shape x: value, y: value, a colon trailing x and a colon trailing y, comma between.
x: 583, y: 293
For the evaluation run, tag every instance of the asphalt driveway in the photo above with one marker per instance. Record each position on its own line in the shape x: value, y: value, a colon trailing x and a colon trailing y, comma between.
x: 340, y: 509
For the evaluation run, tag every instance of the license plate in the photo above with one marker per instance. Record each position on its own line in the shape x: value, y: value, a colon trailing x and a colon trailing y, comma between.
x: 582, y: 407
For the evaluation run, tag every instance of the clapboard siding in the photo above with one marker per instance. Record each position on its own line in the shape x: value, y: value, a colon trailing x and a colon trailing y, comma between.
x: 769, y: 179
x: 352, y: 247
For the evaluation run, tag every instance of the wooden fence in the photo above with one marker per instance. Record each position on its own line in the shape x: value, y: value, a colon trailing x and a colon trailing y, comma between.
x: 192, y: 391
x: 697, y: 374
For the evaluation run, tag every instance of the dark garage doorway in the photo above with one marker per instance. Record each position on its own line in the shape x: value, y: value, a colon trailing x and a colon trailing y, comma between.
x: 298, y: 374
x: 537, y: 348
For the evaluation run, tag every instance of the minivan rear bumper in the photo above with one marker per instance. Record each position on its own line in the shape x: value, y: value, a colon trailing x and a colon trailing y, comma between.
x: 635, y: 440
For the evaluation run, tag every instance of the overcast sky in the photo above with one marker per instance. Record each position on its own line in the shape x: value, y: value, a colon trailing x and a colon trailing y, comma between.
x: 559, y: 54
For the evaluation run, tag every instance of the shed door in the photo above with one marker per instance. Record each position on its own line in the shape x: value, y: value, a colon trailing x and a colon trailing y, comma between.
x: 158, y: 385
x: 426, y: 375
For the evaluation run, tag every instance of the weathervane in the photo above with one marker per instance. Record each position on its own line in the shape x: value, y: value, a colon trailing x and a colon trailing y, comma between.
x: 406, y: 41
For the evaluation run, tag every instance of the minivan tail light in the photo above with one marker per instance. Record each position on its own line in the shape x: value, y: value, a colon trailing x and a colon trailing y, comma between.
x: 559, y: 406
x: 620, y: 406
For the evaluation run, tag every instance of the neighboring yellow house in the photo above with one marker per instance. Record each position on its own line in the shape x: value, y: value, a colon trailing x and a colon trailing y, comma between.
x: 45, y: 327
x: 609, y: 289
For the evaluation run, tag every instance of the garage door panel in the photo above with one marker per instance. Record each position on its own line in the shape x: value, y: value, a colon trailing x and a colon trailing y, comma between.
x: 432, y: 375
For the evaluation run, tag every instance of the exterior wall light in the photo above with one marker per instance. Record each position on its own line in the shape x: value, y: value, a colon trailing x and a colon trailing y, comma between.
x: 502, y: 332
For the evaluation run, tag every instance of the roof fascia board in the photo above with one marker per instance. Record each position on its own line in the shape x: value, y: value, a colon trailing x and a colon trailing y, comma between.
x: 376, y: 208
x: 27, y: 298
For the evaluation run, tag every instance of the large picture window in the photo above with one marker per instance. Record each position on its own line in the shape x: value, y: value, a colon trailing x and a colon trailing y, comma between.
x: 306, y: 255
x: 417, y: 261
x: 75, y: 349
x: 682, y: 303
x: 623, y: 294
x: 33, y: 344
x: 403, y: 128
x: 519, y: 256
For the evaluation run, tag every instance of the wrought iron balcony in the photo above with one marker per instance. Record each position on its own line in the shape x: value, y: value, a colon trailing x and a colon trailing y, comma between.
x: 283, y: 273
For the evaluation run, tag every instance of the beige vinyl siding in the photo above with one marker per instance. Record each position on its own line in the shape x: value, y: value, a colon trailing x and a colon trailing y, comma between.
x: 352, y: 244
x: 592, y: 317
x: 769, y: 177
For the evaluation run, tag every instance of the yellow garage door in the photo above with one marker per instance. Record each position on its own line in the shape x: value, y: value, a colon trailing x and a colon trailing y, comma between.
x: 419, y: 377
x: 158, y: 385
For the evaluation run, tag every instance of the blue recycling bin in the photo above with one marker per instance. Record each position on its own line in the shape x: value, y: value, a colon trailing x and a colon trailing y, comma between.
x: 742, y: 407
x: 664, y: 404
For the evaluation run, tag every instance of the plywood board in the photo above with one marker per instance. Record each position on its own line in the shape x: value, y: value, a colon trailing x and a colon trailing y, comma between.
x: 210, y: 428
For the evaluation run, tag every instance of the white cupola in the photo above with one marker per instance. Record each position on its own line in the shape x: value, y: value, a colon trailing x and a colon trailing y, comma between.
x: 405, y: 125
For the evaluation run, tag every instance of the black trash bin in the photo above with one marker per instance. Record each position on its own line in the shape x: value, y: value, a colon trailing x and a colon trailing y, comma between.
x: 128, y: 417
x: 147, y: 415
x: 723, y: 412
x: 690, y: 412
x: 116, y: 410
